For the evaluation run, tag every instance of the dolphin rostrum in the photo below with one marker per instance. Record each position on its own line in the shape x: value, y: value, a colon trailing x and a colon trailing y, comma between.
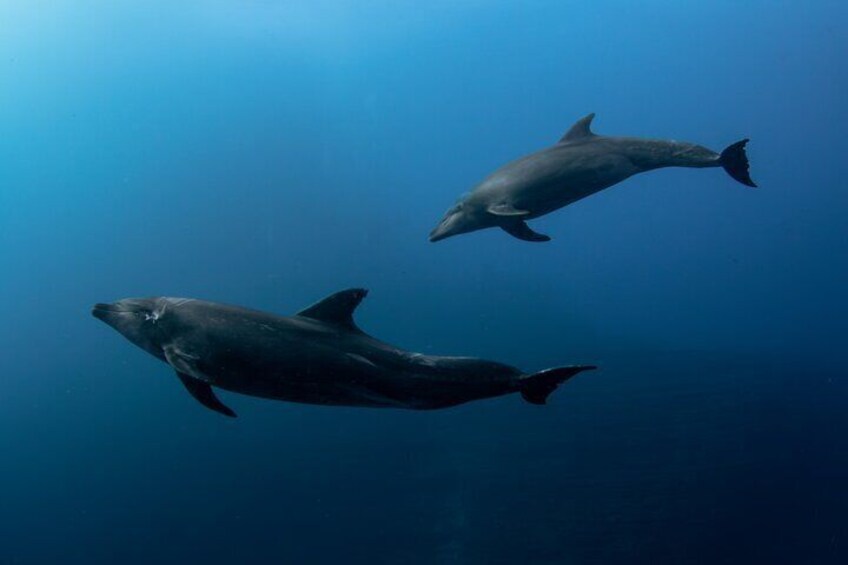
x: 318, y: 356
x: 580, y: 164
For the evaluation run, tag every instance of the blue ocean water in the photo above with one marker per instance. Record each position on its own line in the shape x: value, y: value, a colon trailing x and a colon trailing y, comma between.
x: 269, y: 153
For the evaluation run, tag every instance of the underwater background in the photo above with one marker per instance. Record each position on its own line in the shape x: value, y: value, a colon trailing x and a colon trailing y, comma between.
x: 268, y: 153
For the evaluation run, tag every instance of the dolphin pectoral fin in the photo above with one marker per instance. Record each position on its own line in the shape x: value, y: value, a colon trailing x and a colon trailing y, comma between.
x: 194, y: 380
x: 521, y: 230
x: 183, y: 362
x: 506, y: 210
x: 337, y: 308
x: 204, y: 394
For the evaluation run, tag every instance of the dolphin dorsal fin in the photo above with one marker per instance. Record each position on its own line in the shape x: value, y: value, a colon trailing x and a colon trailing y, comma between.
x: 580, y: 130
x: 337, y: 308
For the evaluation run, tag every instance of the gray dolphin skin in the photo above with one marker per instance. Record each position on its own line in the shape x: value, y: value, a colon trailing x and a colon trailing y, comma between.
x: 318, y: 356
x: 580, y: 164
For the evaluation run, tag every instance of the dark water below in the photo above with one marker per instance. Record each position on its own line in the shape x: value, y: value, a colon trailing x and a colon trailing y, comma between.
x: 683, y: 458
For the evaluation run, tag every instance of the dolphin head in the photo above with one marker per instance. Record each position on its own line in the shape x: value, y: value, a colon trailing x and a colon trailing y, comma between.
x: 462, y: 217
x: 140, y: 320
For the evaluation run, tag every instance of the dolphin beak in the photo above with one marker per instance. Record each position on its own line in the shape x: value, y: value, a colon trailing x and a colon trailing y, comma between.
x: 434, y: 237
x: 104, y: 311
x: 99, y: 310
x: 439, y: 233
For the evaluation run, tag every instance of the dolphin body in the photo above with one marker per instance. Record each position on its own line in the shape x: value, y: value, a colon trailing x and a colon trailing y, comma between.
x: 318, y: 356
x: 580, y: 164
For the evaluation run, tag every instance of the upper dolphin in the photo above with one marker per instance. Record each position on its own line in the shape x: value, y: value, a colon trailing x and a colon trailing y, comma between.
x: 318, y: 356
x: 580, y: 164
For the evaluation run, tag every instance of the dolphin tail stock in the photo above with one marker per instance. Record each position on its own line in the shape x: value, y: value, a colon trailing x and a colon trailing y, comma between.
x: 735, y: 162
x: 536, y: 387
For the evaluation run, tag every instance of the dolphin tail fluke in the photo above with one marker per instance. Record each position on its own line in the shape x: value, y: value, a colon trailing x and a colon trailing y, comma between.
x: 535, y: 388
x: 735, y: 162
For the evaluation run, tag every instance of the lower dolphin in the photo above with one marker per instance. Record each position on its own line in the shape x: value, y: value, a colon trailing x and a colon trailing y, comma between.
x: 580, y: 164
x: 318, y: 356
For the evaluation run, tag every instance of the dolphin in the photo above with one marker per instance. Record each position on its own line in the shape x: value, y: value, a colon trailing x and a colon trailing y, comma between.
x: 317, y: 356
x: 580, y: 164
